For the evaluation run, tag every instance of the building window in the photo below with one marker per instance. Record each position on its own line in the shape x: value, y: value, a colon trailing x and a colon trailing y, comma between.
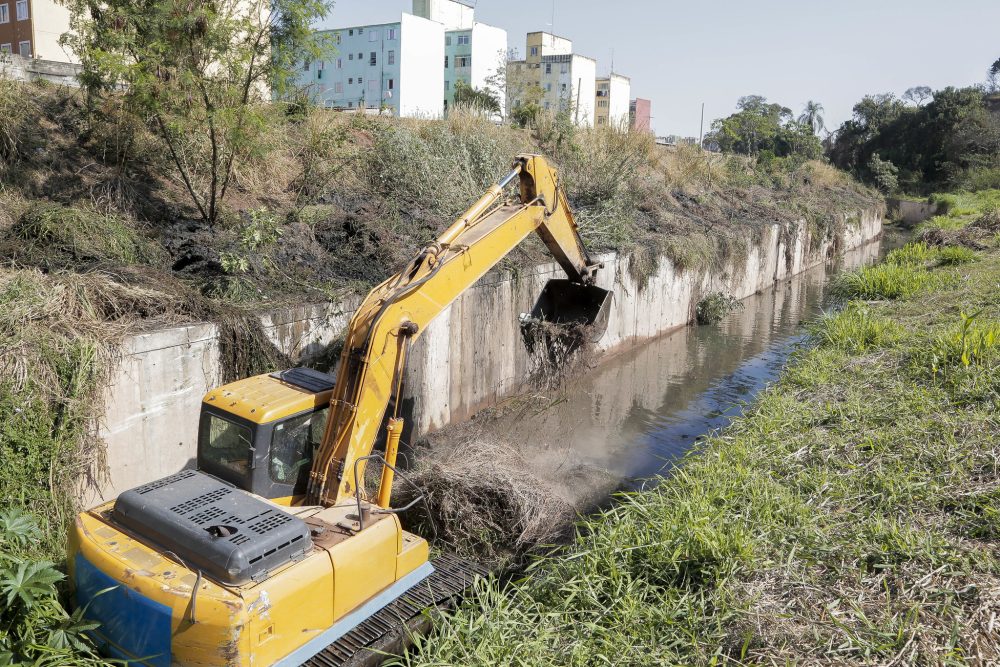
x: 446, y: 62
x: 319, y: 74
x: 548, y: 68
x: 564, y: 68
x: 25, y: 49
x: 350, y: 33
x: 340, y: 63
x: 337, y: 38
x: 391, y: 34
x: 22, y: 11
x: 548, y: 87
x: 564, y: 87
x: 534, y: 50
x: 338, y: 87
x: 361, y: 79
x: 373, y: 59
x: 350, y: 81
x: 5, y: 13
x: 447, y: 40
x: 447, y: 85
x: 373, y: 36
x: 463, y: 61
x: 5, y: 48
x: 463, y: 40
x: 350, y: 105
x: 392, y: 57
x: 361, y: 56
x: 361, y: 31
x: 305, y: 66
x: 392, y: 84
x: 350, y: 56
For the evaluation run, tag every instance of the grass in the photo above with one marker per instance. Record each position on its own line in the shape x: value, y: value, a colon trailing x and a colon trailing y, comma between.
x: 849, y: 517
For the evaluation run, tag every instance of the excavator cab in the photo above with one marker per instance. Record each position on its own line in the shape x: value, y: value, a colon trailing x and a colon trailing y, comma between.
x: 260, y: 434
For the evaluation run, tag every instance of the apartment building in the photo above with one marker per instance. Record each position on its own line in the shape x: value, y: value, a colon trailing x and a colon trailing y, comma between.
x: 640, y: 115
x: 31, y: 28
x: 611, y: 106
x: 392, y: 67
x: 473, y: 51
x: 563, y: 80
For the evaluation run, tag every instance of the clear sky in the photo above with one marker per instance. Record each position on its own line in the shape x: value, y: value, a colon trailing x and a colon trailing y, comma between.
x: 685, y: 52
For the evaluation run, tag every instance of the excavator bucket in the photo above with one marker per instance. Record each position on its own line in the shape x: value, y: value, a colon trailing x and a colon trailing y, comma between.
x: 568, y: 314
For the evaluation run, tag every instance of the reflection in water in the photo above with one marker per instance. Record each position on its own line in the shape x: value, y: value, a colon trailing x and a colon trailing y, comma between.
x: 637, y: 412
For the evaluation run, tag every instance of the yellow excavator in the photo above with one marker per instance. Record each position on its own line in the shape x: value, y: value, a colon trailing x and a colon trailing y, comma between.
x: 272, y: 552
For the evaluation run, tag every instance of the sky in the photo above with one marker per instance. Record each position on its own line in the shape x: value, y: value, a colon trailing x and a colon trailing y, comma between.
x: 680, y: 54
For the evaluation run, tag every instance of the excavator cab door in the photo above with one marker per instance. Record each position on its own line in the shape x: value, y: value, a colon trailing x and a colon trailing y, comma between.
x: 568, y: 315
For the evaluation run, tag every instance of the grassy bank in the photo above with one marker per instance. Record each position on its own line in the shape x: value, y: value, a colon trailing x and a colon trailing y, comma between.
x: 851, y: 516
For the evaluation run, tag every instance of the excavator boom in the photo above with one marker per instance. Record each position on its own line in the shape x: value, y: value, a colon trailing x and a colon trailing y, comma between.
x: 396, y: 312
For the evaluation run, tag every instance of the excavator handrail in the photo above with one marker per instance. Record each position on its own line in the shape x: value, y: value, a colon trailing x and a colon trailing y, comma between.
x: 396, y: 312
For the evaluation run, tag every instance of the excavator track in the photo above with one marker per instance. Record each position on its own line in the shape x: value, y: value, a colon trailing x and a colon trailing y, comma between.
x: 387, y: 631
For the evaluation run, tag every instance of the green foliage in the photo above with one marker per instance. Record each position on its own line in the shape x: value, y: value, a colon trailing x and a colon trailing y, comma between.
x: 762, y: 128
x: 953, y: 141
x: 885, y: 175
x: 954, y: 255
x: 912, y: 254
x: 716, y: 306
x: 199, y: 73
x: 49, y: 232
x: 856, y: 329
x: 479, y: 100
x: 35, y: 628
x: 972, y: 343
x: 885, y: 281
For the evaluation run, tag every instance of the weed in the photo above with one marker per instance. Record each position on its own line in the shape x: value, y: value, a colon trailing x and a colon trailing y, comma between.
x: 37, y: 630
x: 954, y: 255
x: 912, y: 254
x: 885, y: 281
x: 855, y: 329
x: 716, y: 306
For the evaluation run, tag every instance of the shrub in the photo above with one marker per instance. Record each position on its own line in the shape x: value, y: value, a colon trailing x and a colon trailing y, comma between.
x: 714, y: 307
x: 36, y: 628
x: 945, y: 203
x: 884, y: 174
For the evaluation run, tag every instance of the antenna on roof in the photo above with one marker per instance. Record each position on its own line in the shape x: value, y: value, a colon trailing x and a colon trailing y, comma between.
x: 553, y: 24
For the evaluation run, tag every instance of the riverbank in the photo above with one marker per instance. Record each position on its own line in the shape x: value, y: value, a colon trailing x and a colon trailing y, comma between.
x: 852, y: 515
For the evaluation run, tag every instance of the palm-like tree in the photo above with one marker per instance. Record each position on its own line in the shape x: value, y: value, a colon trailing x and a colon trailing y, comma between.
x: 812, y: 115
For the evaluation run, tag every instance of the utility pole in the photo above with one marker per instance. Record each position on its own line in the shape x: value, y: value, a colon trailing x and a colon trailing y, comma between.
x: 701, y: 131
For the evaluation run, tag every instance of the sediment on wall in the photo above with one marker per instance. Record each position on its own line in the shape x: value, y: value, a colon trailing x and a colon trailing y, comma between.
x: 469, y: 358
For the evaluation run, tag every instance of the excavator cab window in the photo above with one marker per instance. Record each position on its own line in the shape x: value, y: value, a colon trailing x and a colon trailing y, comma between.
x: 293, y: 442
x: 225, y: 448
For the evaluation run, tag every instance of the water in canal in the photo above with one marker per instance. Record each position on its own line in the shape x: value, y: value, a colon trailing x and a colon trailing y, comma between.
x: 637, y: 412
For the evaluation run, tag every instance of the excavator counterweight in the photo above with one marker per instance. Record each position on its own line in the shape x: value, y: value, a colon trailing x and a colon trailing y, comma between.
x: 273, y: 552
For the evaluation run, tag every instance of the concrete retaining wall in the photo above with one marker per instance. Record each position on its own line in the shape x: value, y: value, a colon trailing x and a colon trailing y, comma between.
x: 468, y: 358
x: 33, y: 69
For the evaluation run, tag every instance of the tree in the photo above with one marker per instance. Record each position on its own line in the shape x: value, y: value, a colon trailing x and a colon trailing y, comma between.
x: 918, y: 94
x: 812, y: 115
x: 474, y: 98
x: 198, y: 72
x: 884, y: 173
x: 993, y: 77
x: 762, y: 127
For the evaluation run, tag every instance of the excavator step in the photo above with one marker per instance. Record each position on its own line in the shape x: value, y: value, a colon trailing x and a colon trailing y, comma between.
x: 387, y: 631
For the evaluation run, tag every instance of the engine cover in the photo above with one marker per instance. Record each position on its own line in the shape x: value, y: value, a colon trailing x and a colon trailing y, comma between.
x: 226, y: 533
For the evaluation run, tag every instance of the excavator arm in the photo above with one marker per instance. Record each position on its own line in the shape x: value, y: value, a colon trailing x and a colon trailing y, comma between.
x: 396, y: 312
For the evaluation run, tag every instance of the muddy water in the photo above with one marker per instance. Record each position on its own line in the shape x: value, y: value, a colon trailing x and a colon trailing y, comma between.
x: 638, y: 412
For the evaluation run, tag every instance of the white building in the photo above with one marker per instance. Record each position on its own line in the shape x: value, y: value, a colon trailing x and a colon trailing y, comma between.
x: 473, y: 51
x: 562, y: 81
x: 612, y: 106
x: 389, y: 66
